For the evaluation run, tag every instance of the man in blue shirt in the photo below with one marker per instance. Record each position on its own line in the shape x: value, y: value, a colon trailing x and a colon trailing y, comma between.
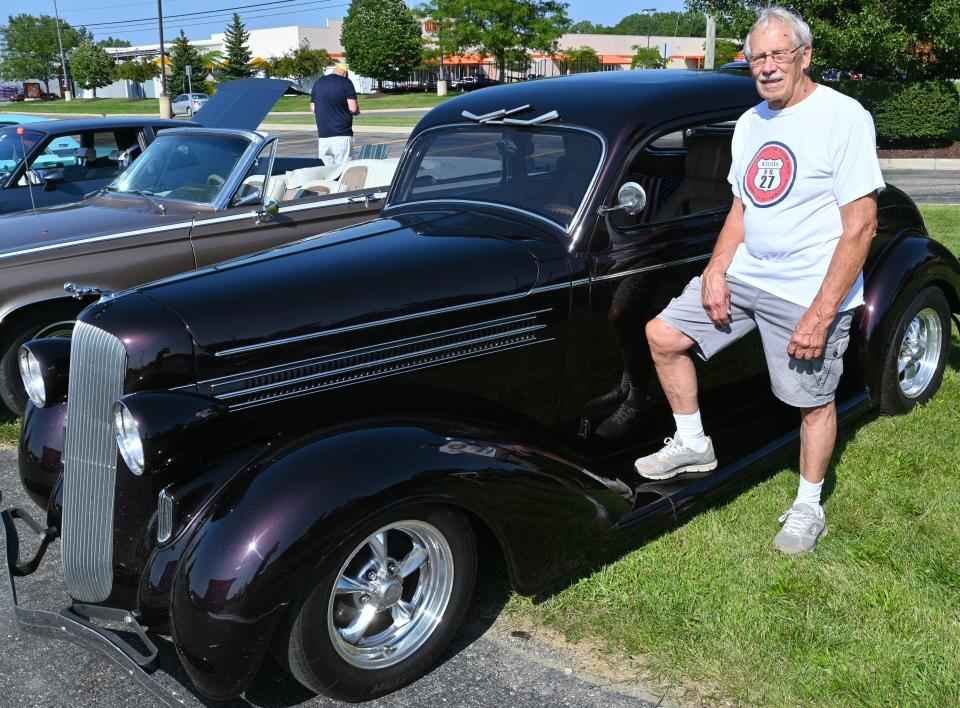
x: 333, y: 101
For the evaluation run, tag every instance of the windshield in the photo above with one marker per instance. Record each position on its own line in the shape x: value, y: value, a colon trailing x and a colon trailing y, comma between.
x: 542, y: 170
x: 184, y: 166
x: 12, y: 148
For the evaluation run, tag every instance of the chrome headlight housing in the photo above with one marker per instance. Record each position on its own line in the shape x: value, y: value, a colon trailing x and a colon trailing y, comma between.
x: 129, y: 440
x: 32, y: 376
x: 44, y: 369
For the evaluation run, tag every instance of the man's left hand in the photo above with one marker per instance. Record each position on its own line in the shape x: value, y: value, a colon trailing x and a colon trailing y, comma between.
x: 810, y: 336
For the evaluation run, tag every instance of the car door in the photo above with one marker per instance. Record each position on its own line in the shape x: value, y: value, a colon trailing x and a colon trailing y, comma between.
x: 245, y: 227
x: 637, y: 264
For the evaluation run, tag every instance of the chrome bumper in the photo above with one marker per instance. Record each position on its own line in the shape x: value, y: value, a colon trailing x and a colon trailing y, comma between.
x: 74, y: 623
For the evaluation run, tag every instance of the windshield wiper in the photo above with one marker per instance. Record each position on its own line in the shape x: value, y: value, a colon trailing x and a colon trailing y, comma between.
x: 145, y: 193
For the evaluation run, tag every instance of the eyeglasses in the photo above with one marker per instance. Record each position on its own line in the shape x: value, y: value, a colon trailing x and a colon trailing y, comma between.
x: 780, y: 57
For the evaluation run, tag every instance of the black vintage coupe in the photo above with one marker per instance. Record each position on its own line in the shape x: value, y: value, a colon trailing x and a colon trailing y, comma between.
x: 300, y: 452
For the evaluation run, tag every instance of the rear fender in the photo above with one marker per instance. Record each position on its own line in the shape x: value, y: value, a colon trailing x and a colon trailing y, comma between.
x: 904, y: 268
x: 279, y: 518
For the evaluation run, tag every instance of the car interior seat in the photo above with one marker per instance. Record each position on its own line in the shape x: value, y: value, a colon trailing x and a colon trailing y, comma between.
x: 704, y: 186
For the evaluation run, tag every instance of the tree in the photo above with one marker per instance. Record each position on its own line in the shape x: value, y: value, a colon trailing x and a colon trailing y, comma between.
x: 31, y: 50
x: 138, y: 71
x: 391, y: 51
x: 663, y: 24
x: 182, y: 55
x: 587, y: 27
x: 111, y: 42
x: 91, y: 66
x: 581, y: 59
x: 502, y: 28
x: 300, y: 64
x: 913, y: 39
x: 725, y: 51
x: 647, y: 58
x: 237, y: 62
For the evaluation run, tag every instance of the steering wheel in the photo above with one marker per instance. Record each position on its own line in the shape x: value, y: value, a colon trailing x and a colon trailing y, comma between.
x: 215, y: 180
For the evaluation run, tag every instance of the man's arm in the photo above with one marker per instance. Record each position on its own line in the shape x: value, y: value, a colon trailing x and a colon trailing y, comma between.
x: 859, y: 227
x: 715, y: 293
x: 313, y: 108
x: 352, y: 106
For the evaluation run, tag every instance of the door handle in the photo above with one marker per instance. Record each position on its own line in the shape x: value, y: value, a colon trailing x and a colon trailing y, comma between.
x: 364, y: 198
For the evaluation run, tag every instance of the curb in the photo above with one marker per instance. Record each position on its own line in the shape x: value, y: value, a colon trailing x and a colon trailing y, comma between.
x: 286, y: 127
x: 940, y: 164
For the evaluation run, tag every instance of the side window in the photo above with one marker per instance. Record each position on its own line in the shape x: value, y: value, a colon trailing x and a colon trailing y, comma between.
x: 82, y: 156
x: 250, y: 190
x: 683, y: 172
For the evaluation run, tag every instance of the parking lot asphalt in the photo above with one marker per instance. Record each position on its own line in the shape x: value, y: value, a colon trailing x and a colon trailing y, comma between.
x: 489, y: 664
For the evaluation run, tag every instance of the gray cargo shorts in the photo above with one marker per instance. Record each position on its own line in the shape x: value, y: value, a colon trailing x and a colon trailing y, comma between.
x: 796, y: 382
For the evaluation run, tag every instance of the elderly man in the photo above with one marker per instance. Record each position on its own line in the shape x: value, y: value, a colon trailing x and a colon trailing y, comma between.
x: 333, y: 101
x: 788, y: 261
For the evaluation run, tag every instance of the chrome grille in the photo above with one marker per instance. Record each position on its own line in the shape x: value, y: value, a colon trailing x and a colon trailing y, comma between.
x: 97, y: 365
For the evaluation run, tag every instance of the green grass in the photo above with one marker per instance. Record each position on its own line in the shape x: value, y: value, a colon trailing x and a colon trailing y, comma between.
x: 872, y: 618
x: 114, y: 106
x: 9, y: 427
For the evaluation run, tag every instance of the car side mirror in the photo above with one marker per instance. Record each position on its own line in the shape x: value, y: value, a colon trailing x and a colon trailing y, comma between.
x: 631, y: 198
x: 269, y: 210
x: 51, y: 178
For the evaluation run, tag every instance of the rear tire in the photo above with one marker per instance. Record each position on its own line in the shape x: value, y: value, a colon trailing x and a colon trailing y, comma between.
x: 917, y: 356
x: 370, y: 621
x: 11, y: 385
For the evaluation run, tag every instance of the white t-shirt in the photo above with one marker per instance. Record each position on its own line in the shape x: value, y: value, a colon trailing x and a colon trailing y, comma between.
x: 793, y: 169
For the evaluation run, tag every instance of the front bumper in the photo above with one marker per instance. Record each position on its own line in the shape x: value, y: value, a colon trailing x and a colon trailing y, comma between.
x: 74, y: 623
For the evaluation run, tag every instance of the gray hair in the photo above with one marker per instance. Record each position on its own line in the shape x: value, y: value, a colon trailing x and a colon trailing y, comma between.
x: 799, y: 29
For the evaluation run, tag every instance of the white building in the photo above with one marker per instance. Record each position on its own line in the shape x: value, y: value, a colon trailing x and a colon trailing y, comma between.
x: 613, y: 51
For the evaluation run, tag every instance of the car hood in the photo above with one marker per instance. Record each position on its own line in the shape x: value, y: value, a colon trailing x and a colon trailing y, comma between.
x: 56, y: 227
x: 242, y: 103
x: 329, y: 292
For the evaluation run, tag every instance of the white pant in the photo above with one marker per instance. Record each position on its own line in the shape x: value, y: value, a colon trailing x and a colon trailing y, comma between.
x: 334, y: 151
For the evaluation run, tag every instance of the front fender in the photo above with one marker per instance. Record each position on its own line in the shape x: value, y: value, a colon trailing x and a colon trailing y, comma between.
x: 904, y: 268
x: 283, y: 515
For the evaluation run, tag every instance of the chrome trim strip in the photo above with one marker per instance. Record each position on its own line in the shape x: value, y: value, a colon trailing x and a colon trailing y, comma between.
x: 519, y: 345
x: 375, y: 323
x: 646, y: 269
x: 378, y: 362
x: 591, y: 186
x: 96, y: 239
x: 382, y: 345
x: 283, y: 210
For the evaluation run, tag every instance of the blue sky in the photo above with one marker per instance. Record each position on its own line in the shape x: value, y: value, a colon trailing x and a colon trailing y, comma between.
x: 255, y: 14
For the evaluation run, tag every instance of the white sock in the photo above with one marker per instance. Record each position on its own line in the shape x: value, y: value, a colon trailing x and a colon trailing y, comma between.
x: 690, y: 431
x: 809, y: 493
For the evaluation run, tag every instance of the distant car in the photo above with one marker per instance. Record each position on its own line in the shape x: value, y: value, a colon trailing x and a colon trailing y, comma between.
x: 186, y: 104
x: 738, y: 65
x: 472, y: 83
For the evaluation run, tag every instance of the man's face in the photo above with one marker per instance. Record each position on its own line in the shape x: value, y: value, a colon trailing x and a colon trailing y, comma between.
x: 779, y: 84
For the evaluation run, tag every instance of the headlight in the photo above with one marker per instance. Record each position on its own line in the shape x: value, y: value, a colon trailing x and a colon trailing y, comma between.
x: 32, y: 378
x: 128, y: 437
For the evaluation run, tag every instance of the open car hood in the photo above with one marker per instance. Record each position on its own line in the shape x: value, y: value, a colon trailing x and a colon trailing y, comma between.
x: 242, y: 103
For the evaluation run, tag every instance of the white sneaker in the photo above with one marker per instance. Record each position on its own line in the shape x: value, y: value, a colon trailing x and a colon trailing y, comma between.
x: 674, y: 458
x: 802, y: 526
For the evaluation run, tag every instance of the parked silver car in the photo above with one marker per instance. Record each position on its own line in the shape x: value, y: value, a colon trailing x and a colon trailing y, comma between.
x: 188, y: 103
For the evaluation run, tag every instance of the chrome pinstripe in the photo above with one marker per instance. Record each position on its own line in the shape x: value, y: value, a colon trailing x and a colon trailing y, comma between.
x: 98, y: 361
x: 98, y: 239
x: 647, y: 269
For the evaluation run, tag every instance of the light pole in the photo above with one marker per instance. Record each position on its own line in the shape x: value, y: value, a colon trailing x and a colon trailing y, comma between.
x: 648, y: 11
x: 67, y: 93
x: 166, y: 111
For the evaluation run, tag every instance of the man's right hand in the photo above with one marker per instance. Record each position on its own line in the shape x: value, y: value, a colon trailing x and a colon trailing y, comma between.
x: 716, y: 297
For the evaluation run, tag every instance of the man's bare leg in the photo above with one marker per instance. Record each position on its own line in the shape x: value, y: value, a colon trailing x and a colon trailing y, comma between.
x: 689, y: 450
x: 670, y: 349
x: 818, y: 435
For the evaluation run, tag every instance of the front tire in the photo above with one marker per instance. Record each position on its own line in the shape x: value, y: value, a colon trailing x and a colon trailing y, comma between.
x: 914, y: 364
x: 377, y: 615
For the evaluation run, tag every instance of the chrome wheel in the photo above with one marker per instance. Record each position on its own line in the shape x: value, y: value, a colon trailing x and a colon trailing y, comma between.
x: 919, y: 357
x: 391, y: 594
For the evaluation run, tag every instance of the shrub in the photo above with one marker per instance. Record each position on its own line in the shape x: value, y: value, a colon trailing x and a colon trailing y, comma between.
x: 907, y: 113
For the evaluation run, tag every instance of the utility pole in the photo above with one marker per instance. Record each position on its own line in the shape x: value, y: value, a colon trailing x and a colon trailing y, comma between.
x: 711, y: 47
x: 648, y: 11
x: 67, y: 93
x: 166, y: 111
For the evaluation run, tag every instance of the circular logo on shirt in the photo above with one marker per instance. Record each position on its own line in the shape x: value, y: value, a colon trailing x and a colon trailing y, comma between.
x: 770, y: 175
